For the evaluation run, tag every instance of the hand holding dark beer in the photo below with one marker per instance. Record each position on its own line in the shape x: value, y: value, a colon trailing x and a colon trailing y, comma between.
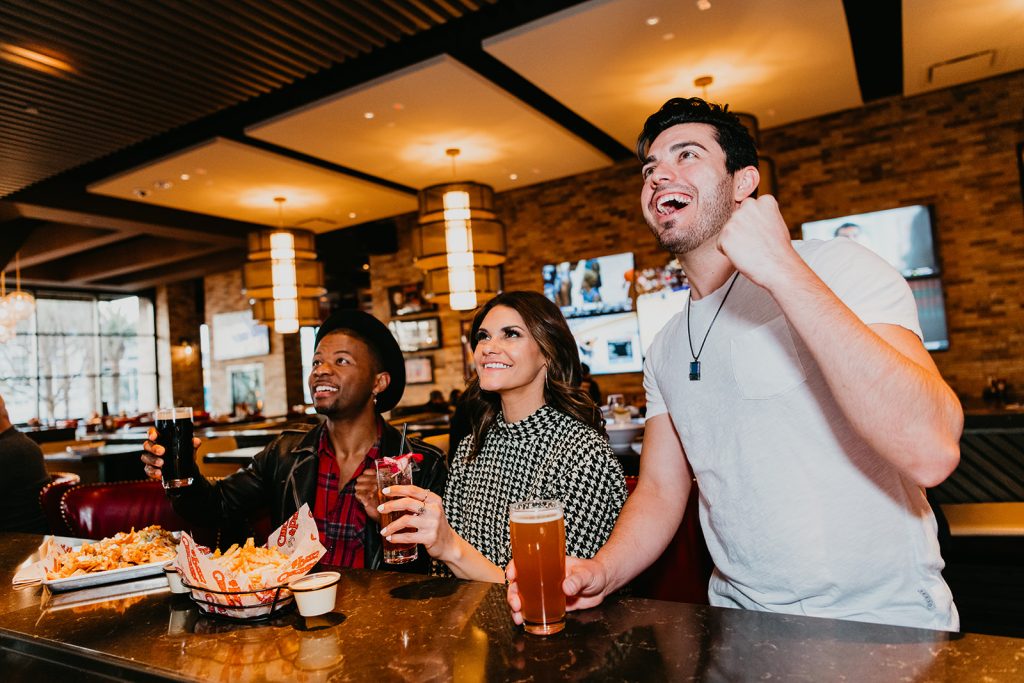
x: 153, y: 453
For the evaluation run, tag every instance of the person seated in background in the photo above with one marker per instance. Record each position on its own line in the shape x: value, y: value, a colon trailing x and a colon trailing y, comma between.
x: 436, y: 403
x: 453, y: 398
x: 534, y: 434
x: 589, y: 384
x: 358, y: 373
x: 24, y: 476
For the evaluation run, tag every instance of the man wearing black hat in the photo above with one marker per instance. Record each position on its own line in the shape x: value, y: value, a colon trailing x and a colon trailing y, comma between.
x: 358, y: 373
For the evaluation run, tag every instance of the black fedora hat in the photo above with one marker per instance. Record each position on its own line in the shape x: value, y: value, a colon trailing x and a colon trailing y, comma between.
x: 382, y: 343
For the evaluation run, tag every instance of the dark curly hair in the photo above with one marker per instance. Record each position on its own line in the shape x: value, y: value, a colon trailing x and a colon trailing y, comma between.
x: 730, y: 133
x: 562, y: 389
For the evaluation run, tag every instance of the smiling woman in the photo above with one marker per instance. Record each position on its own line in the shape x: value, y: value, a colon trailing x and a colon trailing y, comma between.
x: 536, y: 435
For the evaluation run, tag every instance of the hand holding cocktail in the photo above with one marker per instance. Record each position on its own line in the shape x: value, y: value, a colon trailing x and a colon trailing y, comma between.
x: 410, y: 514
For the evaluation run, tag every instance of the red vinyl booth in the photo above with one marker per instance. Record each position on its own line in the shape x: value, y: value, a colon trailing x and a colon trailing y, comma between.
x: 682, y: 572
x: 102, y: 510
x: 49, y: 500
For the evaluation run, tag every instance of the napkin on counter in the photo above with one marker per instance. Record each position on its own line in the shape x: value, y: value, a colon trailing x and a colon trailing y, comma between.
x: 31, y: 573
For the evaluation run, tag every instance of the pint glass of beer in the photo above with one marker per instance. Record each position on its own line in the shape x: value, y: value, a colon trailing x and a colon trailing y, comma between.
x: 174, y: 432
x: 537, y: 528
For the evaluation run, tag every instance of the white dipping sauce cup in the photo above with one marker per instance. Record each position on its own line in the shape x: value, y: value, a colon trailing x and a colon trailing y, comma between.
x: 174, y: 579
x: 315, y: 593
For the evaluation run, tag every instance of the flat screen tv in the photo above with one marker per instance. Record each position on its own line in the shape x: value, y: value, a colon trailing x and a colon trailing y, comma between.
x: 591, y: 286
x: 902, y: 236
x: 660, y: 294
x: 608, y: 343
x: 931, y: 312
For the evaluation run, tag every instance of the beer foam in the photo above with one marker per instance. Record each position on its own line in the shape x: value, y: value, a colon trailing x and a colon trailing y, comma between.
x: 534, y: 516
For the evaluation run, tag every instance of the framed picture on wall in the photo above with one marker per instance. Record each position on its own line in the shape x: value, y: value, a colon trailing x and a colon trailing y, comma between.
x: 408, y: 300
x: 246, y: 382
x: 421, y: 334
x: 419, y: 370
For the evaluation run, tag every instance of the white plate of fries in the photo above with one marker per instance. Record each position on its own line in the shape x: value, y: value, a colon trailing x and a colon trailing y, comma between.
x: 125, y: 556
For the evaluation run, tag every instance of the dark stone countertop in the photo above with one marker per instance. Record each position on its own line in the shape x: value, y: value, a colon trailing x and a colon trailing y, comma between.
x: 398, y: 627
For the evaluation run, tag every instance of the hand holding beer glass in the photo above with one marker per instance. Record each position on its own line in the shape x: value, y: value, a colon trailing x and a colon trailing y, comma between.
x: 174, y: 435
x: 537, y: 529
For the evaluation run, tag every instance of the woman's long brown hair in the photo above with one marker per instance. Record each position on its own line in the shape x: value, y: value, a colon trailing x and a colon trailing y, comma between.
x: 562, y: 391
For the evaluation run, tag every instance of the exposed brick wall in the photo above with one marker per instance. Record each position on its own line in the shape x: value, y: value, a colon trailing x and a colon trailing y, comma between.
x: 954, y: 149
x: 282, y: 370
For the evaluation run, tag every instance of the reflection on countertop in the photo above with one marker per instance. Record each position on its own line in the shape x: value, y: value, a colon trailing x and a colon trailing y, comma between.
x: 393, y: 626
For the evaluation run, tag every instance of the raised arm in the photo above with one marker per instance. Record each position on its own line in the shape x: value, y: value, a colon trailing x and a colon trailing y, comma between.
x: 882, y: 378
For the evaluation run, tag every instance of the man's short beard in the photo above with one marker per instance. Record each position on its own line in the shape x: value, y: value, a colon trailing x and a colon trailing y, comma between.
x: 717, y: 211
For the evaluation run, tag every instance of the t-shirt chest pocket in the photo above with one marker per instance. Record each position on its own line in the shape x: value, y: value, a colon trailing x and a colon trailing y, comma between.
x: 765, y: 361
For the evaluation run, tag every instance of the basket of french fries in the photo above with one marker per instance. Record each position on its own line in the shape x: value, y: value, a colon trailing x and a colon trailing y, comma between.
x: 248, y: 581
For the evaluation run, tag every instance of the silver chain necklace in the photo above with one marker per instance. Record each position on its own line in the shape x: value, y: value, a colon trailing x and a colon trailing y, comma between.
x: 695, y: 364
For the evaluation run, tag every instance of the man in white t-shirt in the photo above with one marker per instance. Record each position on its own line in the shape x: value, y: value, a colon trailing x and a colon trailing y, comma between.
x: 796, y: 386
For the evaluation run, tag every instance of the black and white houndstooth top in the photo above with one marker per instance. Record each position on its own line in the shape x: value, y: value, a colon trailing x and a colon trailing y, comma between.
x: 547, y: 455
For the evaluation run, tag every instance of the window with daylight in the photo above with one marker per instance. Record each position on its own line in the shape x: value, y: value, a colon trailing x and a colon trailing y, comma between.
x: 78, y: 352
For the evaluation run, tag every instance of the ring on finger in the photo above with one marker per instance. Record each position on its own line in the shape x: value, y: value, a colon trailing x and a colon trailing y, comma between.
x: 422, y: 509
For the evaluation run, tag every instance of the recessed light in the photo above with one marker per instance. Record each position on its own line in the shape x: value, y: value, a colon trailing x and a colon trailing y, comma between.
x: 368, y: 115
x: 200, y: 171
x: 352, y: 214
x: 668, y: 36
x: 653, y: 21
x: 398, y: 106
x: 703, y: 5
x: 35, y: 60
x: 513, y: 176
x: 140, y: 193
x: 185, y: 176
x: 366, y: 266
x: 163, y: 184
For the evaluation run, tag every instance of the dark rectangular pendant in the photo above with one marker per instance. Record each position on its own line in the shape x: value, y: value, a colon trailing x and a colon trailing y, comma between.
x: 695, y: 371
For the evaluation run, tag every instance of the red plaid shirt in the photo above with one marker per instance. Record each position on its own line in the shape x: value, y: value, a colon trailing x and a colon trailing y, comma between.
x: 340, y: 517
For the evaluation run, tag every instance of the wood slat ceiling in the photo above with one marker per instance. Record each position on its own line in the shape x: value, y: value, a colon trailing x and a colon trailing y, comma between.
x: 140, y: 69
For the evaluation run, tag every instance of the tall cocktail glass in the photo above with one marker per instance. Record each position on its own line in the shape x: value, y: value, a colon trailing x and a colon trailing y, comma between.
x: 394, y: 472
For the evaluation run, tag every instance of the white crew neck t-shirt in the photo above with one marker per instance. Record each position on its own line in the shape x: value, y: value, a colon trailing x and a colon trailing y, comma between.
x: 801, y: 516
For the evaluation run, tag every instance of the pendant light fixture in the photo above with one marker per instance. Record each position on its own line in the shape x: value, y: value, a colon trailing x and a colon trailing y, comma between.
x: 22, y: 304
x: 459, y: 243
x: 283, y: 279
x: 8, y: 322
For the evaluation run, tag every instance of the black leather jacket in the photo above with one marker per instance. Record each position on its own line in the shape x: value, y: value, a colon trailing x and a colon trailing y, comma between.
x: 283, y: 476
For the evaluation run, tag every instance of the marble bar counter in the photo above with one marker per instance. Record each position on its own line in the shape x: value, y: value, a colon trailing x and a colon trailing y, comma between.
x: 389, y: 626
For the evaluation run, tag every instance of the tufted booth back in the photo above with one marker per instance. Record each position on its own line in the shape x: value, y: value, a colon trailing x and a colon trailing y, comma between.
x: 49, y: 500
x: 682, y: 572
x: 101, y: 510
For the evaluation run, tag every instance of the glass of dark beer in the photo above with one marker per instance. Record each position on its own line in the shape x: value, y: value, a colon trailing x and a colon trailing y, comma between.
x: 174, y: 434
